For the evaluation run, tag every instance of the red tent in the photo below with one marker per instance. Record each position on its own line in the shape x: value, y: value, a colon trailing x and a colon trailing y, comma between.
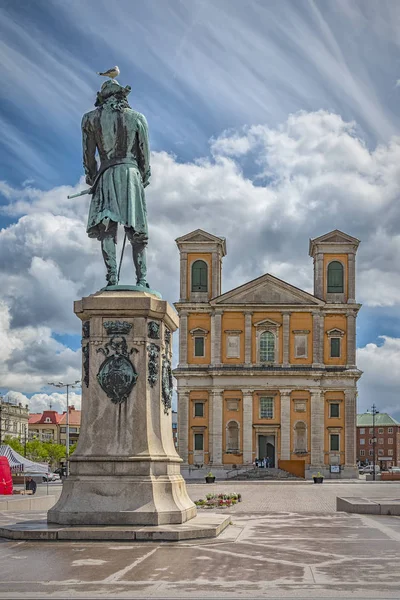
x: 6, y: 484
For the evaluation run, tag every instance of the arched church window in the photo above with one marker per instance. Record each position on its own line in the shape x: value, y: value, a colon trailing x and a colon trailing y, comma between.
x: 300, y: 438
x: 232, y: 437
x: 199, y: 276
x: 335, y: 277
x: 267, y: 347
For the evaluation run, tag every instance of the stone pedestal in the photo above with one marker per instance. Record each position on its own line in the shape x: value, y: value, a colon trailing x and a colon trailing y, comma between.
x: 125, y: 469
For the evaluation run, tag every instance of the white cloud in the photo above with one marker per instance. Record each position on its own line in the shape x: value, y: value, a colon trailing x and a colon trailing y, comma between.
x: 380, y: 383
x: 37, y: 403
x: 267, y: 190
x: 30, y: 357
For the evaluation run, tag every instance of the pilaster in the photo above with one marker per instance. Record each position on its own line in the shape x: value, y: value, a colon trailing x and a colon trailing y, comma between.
x: 318, y: 339
x: 216, y: 319
x: 217, y: 400
x: 351, y: 339
x: 247, y: 426
x: 285, y: 424
x: 350, y: 417
x: 183, y: 425
x: 317, y: 428
x: 247, y: 337
x: 183, y: 277
x: 351, y: 278
x: 183, y: 338
x: 286, y: 338
x: 319, y: 275
x: 215, y: 275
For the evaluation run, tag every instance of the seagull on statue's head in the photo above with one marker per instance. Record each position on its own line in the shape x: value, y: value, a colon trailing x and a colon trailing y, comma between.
x: 111, y: 73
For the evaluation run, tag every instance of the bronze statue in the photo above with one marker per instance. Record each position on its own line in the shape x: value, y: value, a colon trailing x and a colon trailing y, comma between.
x: 119, y: 134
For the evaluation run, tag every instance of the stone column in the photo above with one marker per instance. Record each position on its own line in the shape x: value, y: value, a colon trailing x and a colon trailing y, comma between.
x: 183, y: 278
x: 318, y: 339
x: 285, y: 424
x: 317, y: 428
x: 216, y: 319
x: 247, y: 337
x: 183, y: 426
x: 351, y: 278
x: 351, y: 339
x: 183, y: 338
x: 350, y: 416
x: 286, y: 338
x: 319, y: 275
x: 247, y: 427
x: 217, y: 402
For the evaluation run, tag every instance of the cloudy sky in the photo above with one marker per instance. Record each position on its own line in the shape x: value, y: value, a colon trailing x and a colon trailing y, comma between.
x: 271, y: 122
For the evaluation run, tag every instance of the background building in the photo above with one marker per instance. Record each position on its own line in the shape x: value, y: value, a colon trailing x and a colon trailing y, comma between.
x: 387, y: 434
x: 13, y: 420
x: 74, y: 426
x: 175, y: 428
x: 266, y: 369
x: 51, y: 426
x: 44, y: 426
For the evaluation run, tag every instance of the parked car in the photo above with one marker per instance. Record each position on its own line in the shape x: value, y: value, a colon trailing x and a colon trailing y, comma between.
x: 51, y: 477
x: 394, y: 470
x: 370, y: 469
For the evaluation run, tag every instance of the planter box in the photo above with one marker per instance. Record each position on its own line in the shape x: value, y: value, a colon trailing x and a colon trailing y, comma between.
x: 318, y: 479
x: 210, y: 479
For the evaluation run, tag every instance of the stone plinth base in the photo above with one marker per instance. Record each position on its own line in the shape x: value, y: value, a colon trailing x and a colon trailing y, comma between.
x: 209, y: 525
x: 125, y: 469
x: 364, y: 506
x: 122, y: 500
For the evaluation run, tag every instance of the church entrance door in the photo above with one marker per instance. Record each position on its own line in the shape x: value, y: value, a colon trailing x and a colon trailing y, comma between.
x: 266, y: 448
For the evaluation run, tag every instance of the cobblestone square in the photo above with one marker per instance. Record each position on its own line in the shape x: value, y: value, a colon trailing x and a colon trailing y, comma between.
x: 285, y: 541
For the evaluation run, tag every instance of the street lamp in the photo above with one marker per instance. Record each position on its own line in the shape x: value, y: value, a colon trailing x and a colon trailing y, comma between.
x: 60, y: 384
x: 374, y: 412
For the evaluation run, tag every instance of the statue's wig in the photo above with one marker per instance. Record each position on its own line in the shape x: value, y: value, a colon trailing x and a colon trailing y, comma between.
x: 114, y: 95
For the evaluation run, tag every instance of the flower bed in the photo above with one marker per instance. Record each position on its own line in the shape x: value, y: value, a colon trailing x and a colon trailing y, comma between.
x: 219, y: 500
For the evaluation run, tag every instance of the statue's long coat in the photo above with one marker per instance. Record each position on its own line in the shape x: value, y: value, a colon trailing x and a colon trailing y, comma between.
x: 121, y: 138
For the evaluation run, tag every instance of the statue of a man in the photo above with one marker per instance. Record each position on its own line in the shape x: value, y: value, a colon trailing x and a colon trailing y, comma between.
x: 120, y: 136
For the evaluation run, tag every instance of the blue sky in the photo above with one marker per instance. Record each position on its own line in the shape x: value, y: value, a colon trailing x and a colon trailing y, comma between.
x: 277, y: 120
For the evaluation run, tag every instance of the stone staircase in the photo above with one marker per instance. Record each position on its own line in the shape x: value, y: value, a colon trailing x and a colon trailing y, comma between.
x: 263, y: 474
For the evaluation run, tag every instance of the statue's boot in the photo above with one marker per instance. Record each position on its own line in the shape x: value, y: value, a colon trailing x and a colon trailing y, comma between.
x: 108, y: 248
x: 140, y: 262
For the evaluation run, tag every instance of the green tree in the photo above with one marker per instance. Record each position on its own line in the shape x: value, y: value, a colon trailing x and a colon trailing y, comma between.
x: 36, y: 451
x: 72, y: 448
x: 14, y: 443
x: 55, y: 453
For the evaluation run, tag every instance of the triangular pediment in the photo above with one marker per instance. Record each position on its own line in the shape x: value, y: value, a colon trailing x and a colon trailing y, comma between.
x: 336, y: 237
x: 267, y: 290
x: 267, y: 323
x: 335, y: 240
x: 199, y: 235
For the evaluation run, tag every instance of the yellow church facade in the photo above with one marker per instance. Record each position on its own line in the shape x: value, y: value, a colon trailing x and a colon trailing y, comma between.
x: 266, y: 369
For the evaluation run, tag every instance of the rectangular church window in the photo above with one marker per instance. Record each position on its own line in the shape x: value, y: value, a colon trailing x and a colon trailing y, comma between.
x: 334, y: 445
x: 266, y: 408
x: 199, y: 409
x: 335, y: 347
x: 198, y: 441
x: 334, y: 410
x: 199, y: 346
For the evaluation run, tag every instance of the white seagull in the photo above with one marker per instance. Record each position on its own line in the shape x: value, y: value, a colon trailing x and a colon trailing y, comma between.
x: 111, y: 73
